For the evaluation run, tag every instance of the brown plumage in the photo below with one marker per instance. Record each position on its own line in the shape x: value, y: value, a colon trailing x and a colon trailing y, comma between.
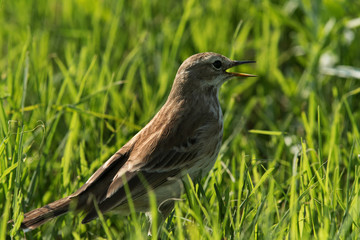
x: 184, y: 137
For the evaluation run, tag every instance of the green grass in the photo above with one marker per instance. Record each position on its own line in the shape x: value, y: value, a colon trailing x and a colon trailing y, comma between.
x: 79, y: 78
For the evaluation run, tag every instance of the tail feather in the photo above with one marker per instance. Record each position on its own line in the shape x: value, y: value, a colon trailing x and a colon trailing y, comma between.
x: 37, y: 217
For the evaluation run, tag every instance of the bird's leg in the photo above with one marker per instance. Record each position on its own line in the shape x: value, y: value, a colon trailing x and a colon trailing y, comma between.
x: 164, y: 210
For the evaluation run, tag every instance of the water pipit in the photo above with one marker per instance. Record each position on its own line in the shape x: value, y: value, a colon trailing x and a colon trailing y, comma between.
x: 184, y: 137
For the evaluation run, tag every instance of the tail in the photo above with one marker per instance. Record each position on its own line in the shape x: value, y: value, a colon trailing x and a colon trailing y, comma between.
x: 38, y: 217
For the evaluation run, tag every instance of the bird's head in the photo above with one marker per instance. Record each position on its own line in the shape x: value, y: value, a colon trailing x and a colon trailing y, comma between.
x: 204, y: 70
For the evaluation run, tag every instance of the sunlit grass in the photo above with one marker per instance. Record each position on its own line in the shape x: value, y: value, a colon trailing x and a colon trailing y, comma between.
x: 79, y: 78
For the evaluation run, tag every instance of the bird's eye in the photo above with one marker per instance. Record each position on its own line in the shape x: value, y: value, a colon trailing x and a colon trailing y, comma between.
x: 217, y: 64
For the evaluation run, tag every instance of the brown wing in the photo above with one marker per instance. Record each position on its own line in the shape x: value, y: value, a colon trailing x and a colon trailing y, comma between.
x: 157, y: 154
x: 102, y: 177
x: 152, y: 175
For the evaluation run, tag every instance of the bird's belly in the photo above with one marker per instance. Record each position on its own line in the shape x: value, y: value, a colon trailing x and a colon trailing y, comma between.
x: 208, y: 156
x: 169, y: 191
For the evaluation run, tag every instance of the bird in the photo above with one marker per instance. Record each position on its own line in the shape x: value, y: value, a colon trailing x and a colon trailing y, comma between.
x: 182, y: 139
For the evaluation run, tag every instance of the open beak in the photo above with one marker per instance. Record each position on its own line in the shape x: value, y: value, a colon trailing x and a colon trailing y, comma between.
x: 237, y: 63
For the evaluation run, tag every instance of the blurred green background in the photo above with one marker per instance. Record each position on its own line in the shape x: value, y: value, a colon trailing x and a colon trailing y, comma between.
x: 79, y: 78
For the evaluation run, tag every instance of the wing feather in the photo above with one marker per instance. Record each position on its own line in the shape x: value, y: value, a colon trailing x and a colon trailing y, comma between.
x: 160, y: 152
x: 153, y: 175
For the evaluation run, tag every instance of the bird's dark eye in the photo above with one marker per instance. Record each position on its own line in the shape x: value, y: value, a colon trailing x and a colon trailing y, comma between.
x: 217, y: 64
